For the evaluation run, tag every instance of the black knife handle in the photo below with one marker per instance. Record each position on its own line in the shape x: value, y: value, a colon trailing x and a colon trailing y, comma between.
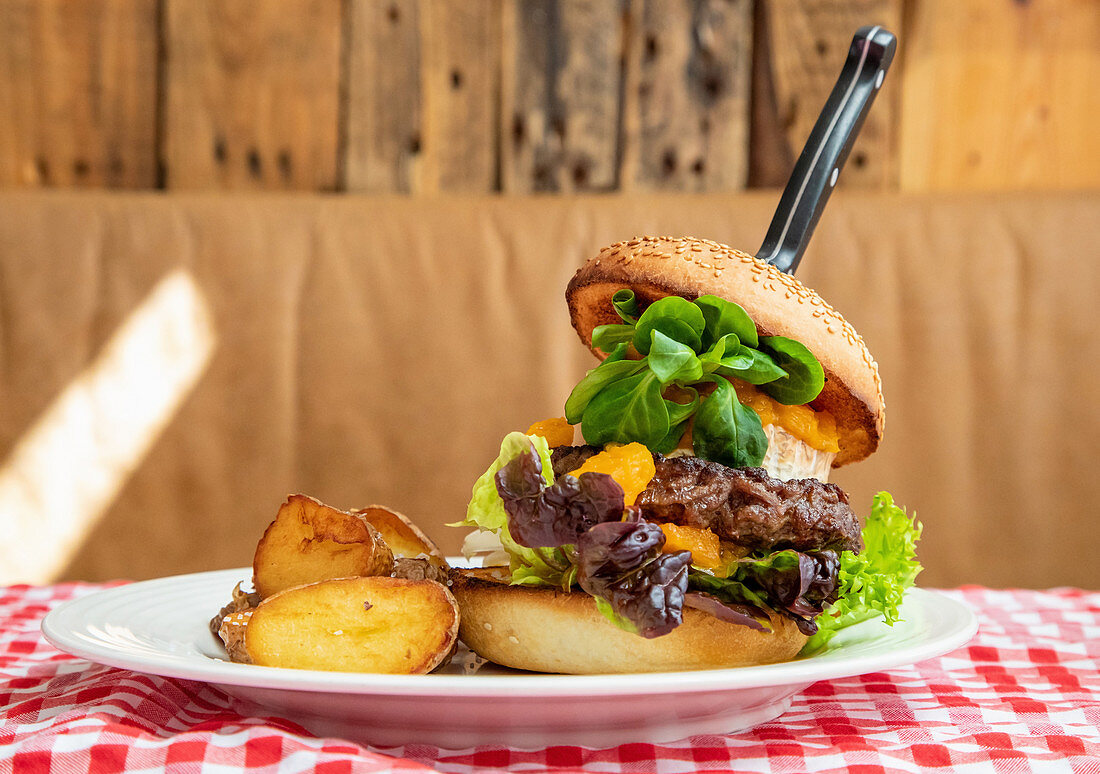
x: 833, y: 135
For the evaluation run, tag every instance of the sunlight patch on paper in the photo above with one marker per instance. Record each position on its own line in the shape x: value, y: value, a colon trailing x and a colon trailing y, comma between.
x: 68, y: 468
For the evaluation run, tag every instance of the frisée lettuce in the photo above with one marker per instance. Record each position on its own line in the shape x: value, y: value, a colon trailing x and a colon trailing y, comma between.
x: 873, y: 582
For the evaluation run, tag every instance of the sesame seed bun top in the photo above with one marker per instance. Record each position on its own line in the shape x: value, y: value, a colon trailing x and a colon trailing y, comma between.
x: 654, y: 267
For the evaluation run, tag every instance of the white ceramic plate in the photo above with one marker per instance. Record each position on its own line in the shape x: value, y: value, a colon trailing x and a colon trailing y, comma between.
x: 160, y: 627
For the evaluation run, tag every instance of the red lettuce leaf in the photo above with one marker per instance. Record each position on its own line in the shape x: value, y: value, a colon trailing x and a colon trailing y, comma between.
x: 614, y: 549
x: 793, y: 583
x: 799, y: 582
x: 651, y: 595
x: 730, y: 612
x: 541, y: 516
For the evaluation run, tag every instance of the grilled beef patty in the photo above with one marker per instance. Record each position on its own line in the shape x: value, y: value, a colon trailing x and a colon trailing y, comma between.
x: 745, y: 506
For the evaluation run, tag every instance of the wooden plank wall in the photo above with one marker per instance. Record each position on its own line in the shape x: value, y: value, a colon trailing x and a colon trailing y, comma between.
x: 560, y: 94
x: 686, y: 100
x: 1012, y: 102
x: 78, y: 93
x: 536, y: 96
x: 800, y: 42
x: 252, y: 94
x: 384, y: 116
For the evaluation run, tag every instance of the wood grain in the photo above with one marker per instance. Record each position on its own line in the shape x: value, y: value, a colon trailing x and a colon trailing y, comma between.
x: 419, y: 97
x: 460, y: 92
x: 771, y: 157
x: 806, y: 43
x: 686, y: 100
x: 252, y: 94
x: 560, y: 84
x: 78, y: 93
x: 384, y: 95
x: 1001, y: 94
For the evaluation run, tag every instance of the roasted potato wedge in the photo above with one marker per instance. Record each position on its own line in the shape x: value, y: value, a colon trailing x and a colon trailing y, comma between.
x: 310, y: 541
x: 388, y: 625
x: 401, y: 535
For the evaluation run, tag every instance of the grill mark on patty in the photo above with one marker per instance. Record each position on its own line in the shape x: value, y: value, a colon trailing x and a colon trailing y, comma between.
x: 745, y: 506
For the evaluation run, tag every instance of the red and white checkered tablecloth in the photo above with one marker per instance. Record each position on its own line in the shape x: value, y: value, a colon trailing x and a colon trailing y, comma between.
x: 1023, y: 696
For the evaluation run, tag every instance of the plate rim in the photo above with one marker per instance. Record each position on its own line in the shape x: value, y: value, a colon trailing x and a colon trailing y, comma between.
x: 215, y: 672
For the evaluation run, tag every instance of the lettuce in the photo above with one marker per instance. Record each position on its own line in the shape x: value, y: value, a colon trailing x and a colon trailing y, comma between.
x: 869, y: 584
x: 533, y: 567
x: 873, y: 582
x: 796, y: 583
x: 609, y: 613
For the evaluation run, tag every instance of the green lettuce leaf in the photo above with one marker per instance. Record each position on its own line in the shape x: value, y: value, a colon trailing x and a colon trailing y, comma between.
x: 609, y: 613
x: 486, y: 509
x: 873, y: 582
x: 728, y: 590
x: 530, y: 566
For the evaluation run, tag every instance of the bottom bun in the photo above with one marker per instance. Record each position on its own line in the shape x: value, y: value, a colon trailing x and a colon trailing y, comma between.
x: 549, y: 630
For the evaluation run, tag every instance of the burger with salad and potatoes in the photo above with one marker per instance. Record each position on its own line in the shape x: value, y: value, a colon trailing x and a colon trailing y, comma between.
x: 694, y: 527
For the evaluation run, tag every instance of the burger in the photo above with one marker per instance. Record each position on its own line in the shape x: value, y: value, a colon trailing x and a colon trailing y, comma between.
x: 695, y: 526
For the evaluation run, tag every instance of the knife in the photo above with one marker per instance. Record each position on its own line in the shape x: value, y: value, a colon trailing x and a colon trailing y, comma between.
x: 816, y: 172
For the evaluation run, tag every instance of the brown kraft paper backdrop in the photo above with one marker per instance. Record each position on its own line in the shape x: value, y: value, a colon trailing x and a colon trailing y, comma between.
x: 376, y: 350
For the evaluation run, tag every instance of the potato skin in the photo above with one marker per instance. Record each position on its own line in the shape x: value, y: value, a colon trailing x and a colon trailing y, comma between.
x: 241, y: 600
x: 403, y: 537
x: 309, y: 541
x: 375, y: 624
x: 232, y: 633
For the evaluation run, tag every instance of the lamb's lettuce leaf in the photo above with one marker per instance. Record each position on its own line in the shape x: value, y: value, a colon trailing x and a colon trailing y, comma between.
x: 688, y: 344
